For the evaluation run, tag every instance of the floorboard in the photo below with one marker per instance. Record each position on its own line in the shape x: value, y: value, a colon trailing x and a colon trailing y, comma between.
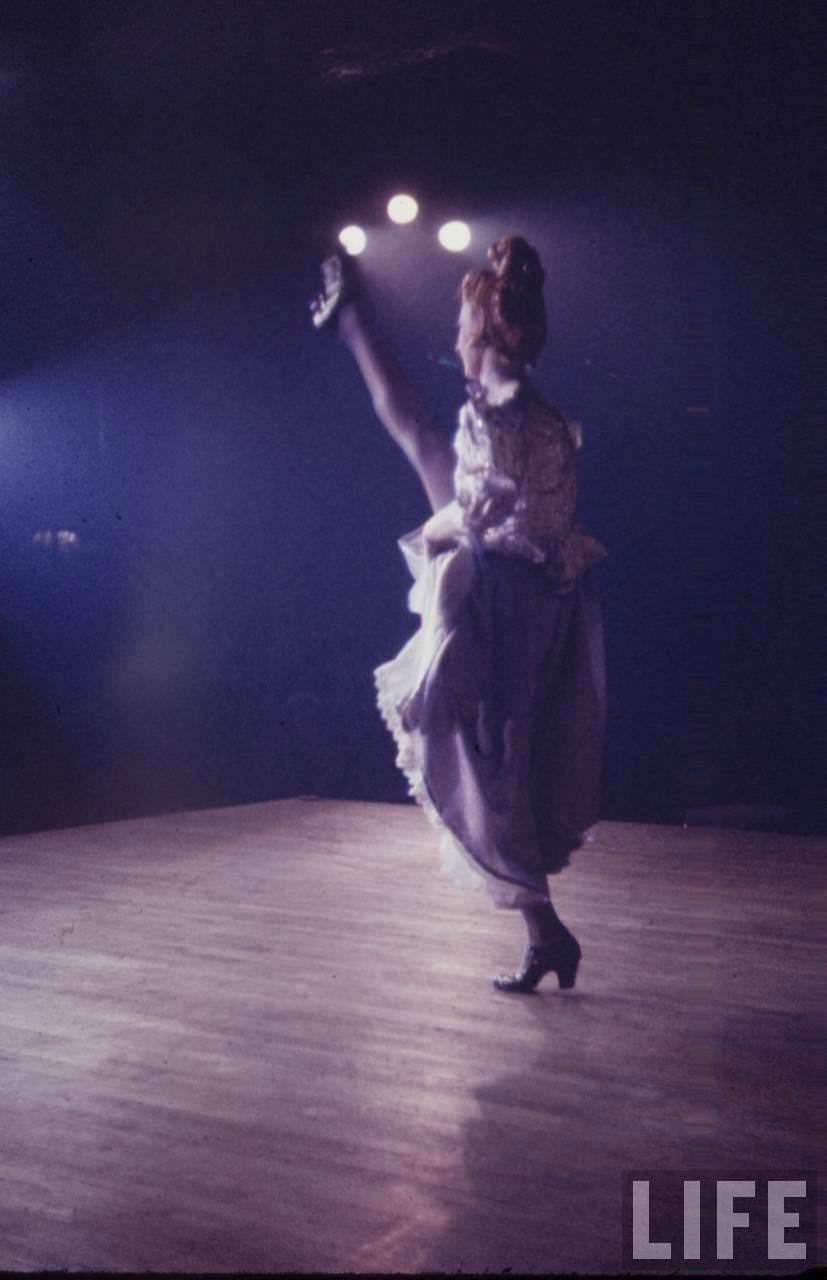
x: 263, y: 1039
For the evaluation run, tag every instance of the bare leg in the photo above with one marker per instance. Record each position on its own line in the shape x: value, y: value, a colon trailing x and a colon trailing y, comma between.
x: 399, y: 407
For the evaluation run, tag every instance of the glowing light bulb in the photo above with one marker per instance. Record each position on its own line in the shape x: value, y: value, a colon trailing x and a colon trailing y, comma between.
x: 455, y: 236
x: 353, y: 240
x: 402, y: 209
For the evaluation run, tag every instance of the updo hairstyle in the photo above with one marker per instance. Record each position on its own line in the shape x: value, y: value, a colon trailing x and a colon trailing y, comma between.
x: 508, y: 301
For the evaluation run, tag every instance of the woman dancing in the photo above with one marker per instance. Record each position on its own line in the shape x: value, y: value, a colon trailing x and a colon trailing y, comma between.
x: 497, y: 702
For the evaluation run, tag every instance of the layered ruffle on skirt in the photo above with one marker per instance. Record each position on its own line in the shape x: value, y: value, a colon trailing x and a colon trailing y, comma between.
x: 497, y: 707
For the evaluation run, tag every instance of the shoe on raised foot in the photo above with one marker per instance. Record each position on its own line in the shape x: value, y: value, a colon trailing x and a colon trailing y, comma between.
x: 339, y: 286
x: 561, y: 957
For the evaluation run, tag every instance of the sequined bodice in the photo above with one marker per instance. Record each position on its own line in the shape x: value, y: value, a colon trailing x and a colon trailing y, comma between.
x: 515, y: 481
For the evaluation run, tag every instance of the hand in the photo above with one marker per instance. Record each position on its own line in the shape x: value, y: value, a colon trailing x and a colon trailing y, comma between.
x: 443, y: 529
x: 434, y: 546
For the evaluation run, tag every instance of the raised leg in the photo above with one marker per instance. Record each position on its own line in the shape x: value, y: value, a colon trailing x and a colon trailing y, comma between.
x: 396, y: 401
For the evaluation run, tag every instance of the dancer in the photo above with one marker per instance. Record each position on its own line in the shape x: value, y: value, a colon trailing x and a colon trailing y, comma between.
x: 497, y: 703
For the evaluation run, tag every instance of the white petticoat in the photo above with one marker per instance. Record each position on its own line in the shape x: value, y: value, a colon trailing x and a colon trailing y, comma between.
x: 496, y: 705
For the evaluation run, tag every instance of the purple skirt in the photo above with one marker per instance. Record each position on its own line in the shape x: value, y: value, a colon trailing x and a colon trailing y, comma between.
x: 497, y: 707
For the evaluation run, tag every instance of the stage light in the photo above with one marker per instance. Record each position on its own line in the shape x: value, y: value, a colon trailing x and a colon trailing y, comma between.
x: 402, y: 209
x: 455, y: 236
x: 353, y: 240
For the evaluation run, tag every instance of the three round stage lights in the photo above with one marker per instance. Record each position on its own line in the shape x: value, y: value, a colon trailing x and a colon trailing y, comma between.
x: 403, y: 209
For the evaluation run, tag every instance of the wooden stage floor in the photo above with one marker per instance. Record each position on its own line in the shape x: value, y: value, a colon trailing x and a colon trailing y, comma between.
x: 264, y: 1039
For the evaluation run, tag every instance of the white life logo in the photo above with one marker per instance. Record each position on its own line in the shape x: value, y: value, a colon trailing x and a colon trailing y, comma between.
x: 727, y: 1219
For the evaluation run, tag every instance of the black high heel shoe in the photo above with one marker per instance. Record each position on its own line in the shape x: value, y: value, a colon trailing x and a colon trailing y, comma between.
x: 561, y: 957
x: 339, y: 287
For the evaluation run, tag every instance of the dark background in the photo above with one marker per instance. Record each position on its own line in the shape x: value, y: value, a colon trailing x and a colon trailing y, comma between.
x: 171, y: 174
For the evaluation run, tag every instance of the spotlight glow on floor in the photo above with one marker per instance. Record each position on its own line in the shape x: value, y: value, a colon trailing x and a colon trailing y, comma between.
x: 353, y: 240
x: 455, y: 236
x: 402, y: 209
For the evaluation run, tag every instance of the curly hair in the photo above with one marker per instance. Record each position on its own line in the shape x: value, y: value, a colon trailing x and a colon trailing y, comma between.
x: 509, y: 300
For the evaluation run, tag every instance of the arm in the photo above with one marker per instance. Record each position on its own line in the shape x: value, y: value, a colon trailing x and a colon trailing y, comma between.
x: 444, y: 528
x: 399, y: 407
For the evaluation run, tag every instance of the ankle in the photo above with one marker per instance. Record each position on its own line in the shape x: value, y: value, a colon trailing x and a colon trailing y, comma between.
x: 543, y: 924
x: 349, y: 321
